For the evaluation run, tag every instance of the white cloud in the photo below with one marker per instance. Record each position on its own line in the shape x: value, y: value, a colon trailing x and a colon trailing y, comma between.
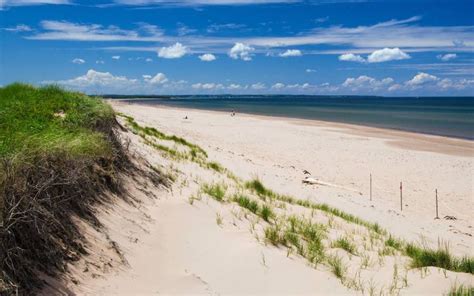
x: 367, y: 83
x: 100, y: 62
x: 61, y: 30
x: 447, y: 57
x: 78, y: 61
x: 421, y: 79
x: 447, y: 84
x: 116, y: 57
x: 310, y: 70
x: 159, y: 78
x: 207, y: 57
x: 98, y: 81
x: 234, y: 86
x: 208, y: 86
x: 200, y: 2
x: 175, y: 51
x: 291, y: 53
x: 18, y: 28
x: 242, y: 51
x: 350, y: 57
x: 6, y: 3
x: 258, y: 86
x: 278, y: 85
x: 148, y: 60
x: 387, y: 54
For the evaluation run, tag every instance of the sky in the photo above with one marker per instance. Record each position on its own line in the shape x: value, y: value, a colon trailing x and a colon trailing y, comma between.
x: 312, y: 47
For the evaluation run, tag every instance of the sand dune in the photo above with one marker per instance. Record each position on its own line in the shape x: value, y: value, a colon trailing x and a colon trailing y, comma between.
x: 184, y: 242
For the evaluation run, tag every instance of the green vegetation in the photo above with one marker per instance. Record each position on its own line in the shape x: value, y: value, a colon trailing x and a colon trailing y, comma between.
x: 337, y: 267
x: 58, y: 155
x: 461, y: 291
x: 49, y: 120
x: 266, y: 213
x: 216, y: 191
x: 247, y: 203
x: 394, y: 243
x: 345, y: 244
x: 196, y: 151
x: 438, y: 258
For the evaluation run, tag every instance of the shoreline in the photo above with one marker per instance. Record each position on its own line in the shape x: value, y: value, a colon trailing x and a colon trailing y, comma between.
x: 147, y: 103
x: 397, y: 137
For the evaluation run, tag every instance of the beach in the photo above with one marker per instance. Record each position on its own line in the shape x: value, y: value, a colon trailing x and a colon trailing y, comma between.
x: 185, y: 242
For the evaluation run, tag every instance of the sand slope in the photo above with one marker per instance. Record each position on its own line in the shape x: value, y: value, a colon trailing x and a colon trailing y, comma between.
x: 183, y: 242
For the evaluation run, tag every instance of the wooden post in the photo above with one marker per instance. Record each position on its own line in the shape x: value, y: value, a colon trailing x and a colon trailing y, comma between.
x: 436, y: 192
x: 401, y: 196
x: 370, y: 187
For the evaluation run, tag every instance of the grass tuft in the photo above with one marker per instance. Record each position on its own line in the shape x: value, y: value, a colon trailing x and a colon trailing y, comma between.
x: 216, y: 191
x: 345, y: 244
x: 247, y: 203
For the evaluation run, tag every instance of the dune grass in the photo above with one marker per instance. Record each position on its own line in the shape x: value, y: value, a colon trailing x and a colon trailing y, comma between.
x: 216, y: 191
x: 345, y: 244
x: 461, y: 290
x: 440, y: 257
x: 58, y: 154
x: 42, y: 120
x: 247, y: 203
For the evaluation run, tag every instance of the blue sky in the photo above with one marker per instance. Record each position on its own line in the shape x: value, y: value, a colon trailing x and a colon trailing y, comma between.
x: 348, y: 47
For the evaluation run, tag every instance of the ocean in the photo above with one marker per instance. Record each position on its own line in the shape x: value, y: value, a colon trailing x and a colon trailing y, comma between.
x: 445, y: 116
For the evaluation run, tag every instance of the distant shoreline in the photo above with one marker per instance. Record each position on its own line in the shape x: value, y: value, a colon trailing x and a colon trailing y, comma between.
x: 154, y: 102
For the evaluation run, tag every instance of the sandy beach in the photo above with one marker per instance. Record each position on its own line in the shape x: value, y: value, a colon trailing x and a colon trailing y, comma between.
x: 185, y: 243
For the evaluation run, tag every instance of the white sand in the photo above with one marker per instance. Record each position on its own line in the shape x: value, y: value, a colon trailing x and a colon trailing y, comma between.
x: 174, y: 247
x: 277, y: 150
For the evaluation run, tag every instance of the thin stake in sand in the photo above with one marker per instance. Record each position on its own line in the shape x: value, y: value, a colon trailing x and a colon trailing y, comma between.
x: 401, y: 196
x: 436, y: 192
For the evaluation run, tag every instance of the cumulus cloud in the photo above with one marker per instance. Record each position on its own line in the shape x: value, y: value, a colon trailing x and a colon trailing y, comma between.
x: 234, y: 86
x: 116, y: 57
x: 258, y: 86
x: 207, y: 86
x: 291, y: 53
x: 94, y: 81
x: 175, y: 51
x: 241, y: 51
x: 207, y: 57
x: 447, y: 57
x: 378, y: 56
x: 387, y: 54
x: 278, y: 85
x: 421, y: 79
x: 159, y: 78
x: 78, y: 61
x: 350, y: 57
x: 100, y: 62
x: 367, y: 83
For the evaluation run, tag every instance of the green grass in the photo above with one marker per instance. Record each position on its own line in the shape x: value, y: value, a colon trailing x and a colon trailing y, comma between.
x: 257, y: 187
x: 345, y: 244
x: 272, y: 234
x: 394, y: 243
x: 461, y: 290
x: 337, y: 267
x: 439, y: 258
x: 215, y: 166
x: 49, y: 119
x: 247, y: 203
x: 216, y: 191
x: 266, y: 213
x: 195, y: 150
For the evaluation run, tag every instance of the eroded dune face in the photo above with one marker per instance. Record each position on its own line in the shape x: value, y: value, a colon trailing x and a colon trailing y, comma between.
x: 239, y: 220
